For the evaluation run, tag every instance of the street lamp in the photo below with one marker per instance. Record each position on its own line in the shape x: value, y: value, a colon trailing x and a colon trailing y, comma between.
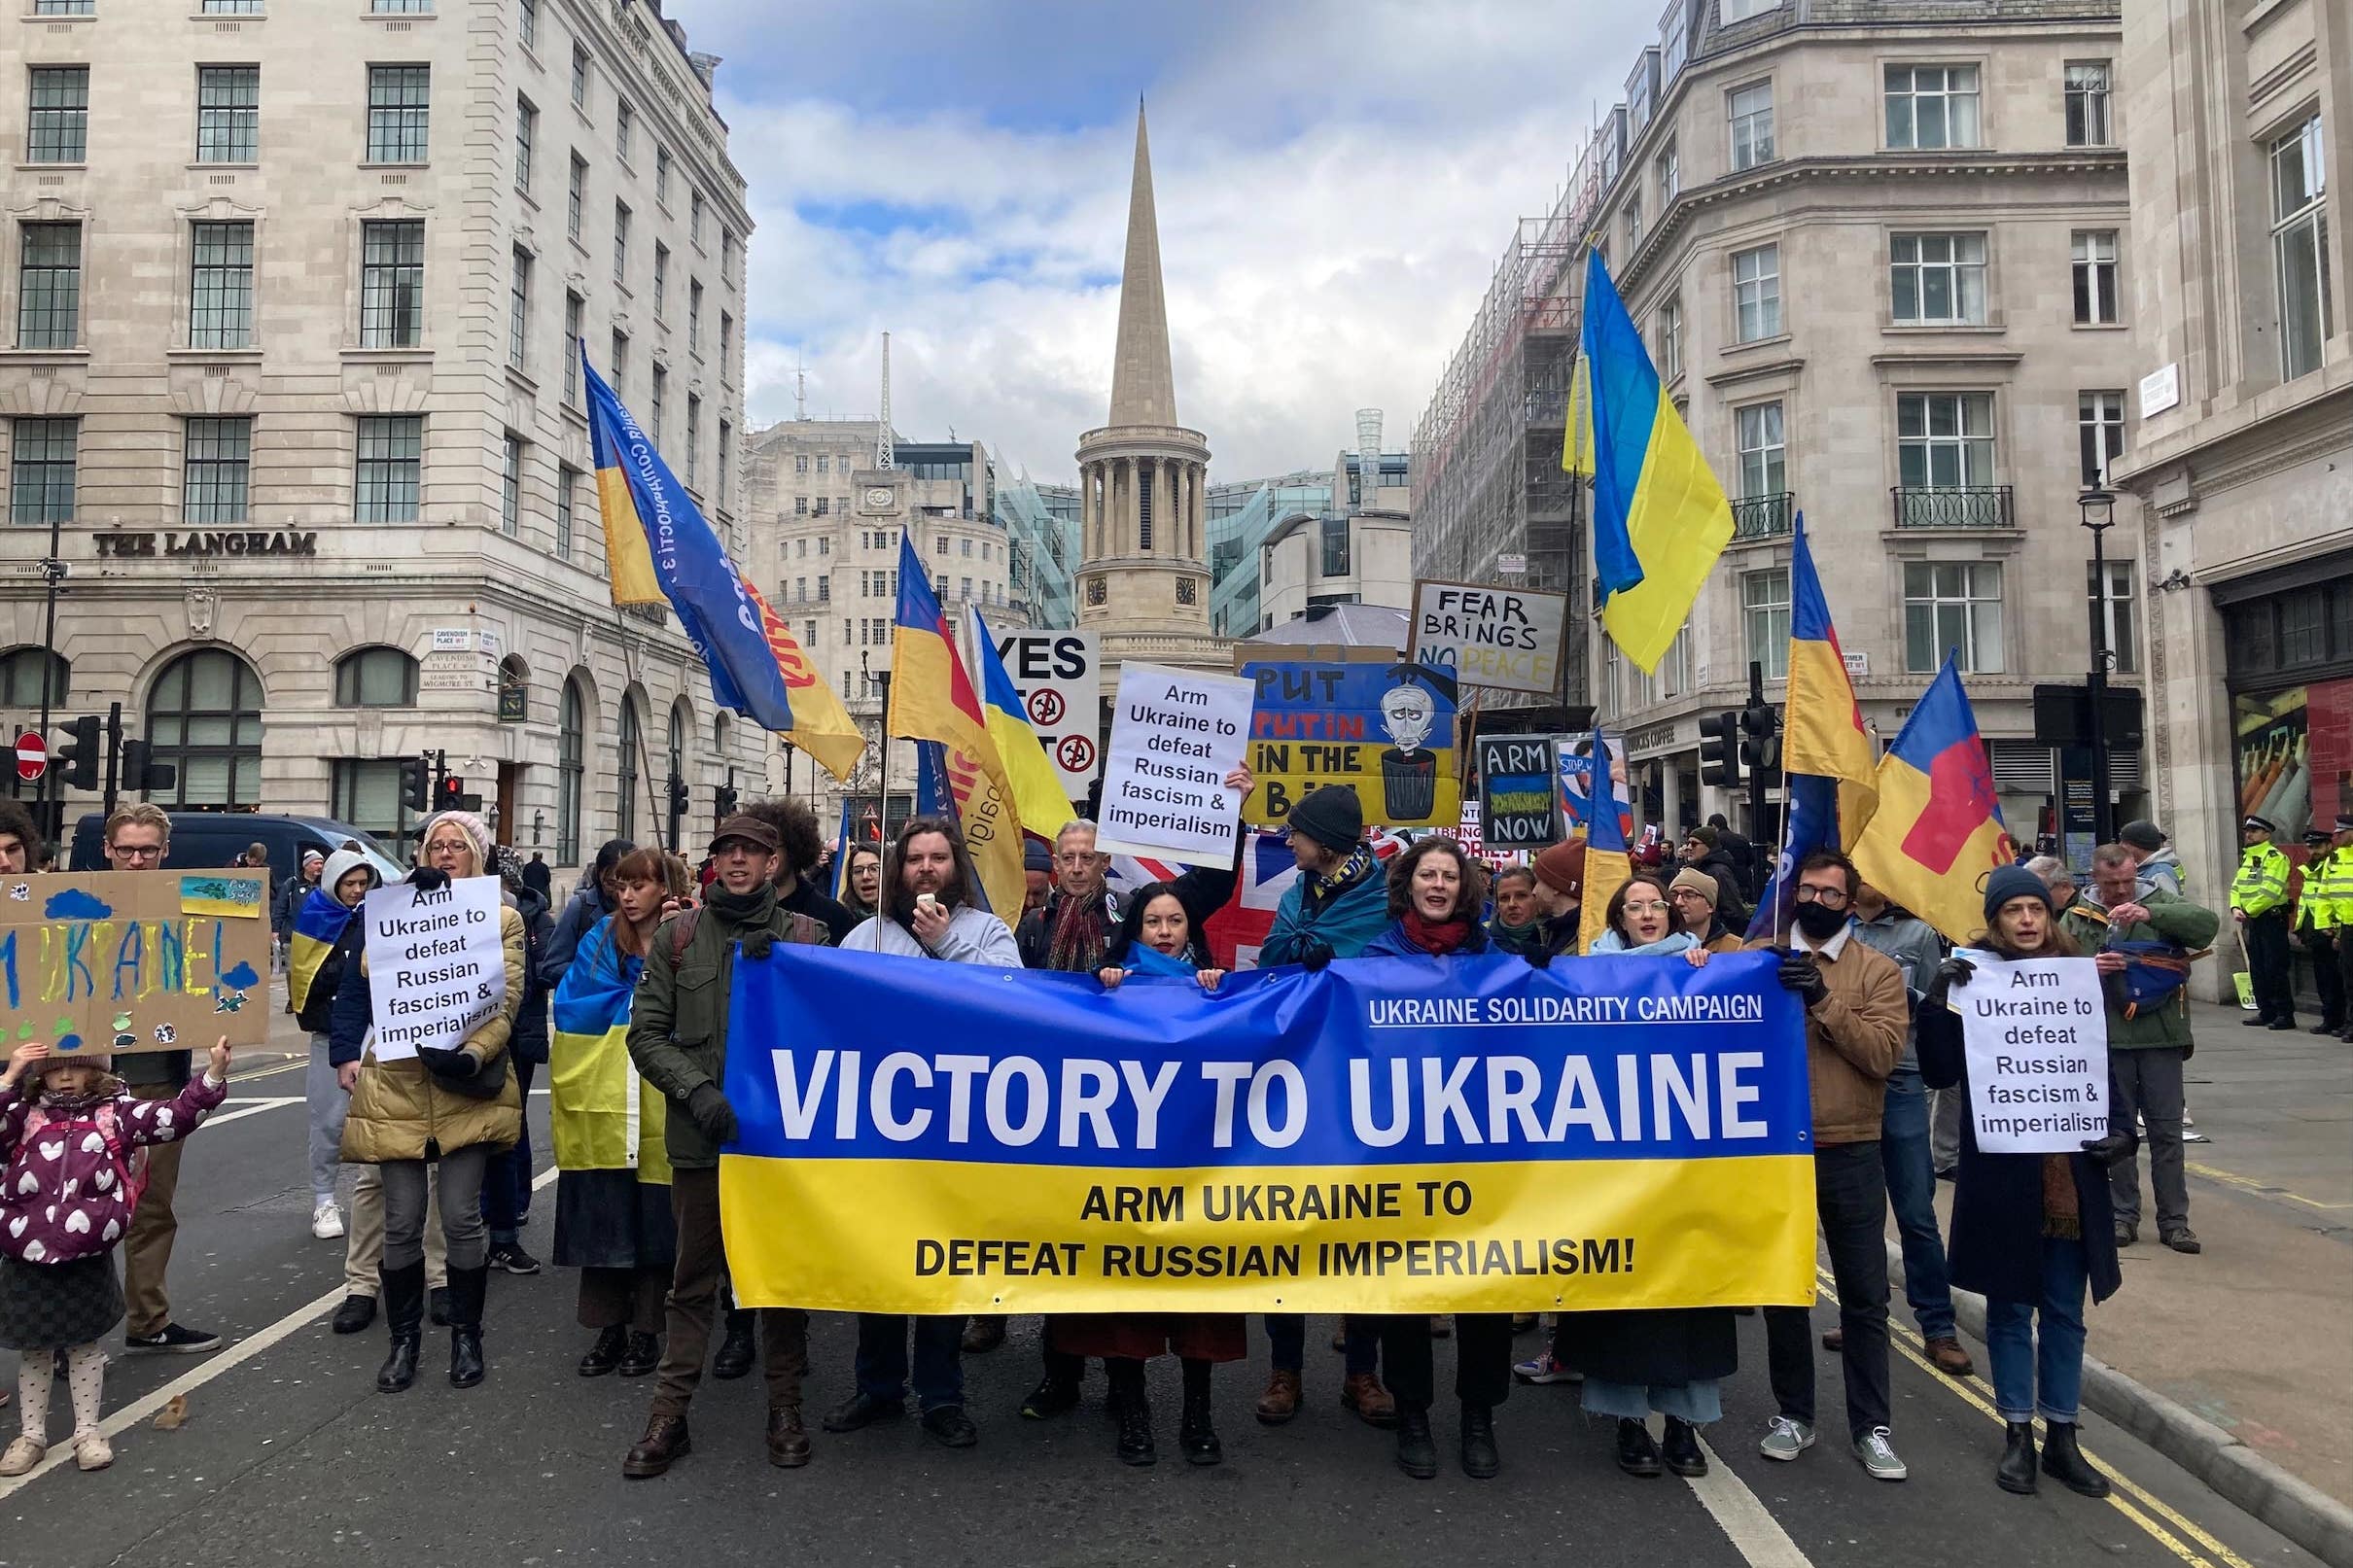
x: 2099, y: 508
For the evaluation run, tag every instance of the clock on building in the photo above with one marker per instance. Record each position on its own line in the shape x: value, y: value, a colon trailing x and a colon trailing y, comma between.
x: 877, y: 497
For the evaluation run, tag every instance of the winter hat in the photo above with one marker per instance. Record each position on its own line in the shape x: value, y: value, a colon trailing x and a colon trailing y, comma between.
x: 1036, y: 856
x: 100, y: 1059
x: 2142, y: 835
x: 1706, y: 835
x: 1699, y: 881
x: 2013, y: 882
x: 342, y: 864
x: 1331, y: 816
x: 1562, y: 867
x: 474, y: 828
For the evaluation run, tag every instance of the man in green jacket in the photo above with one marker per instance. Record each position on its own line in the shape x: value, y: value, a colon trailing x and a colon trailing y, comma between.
x: 678, y: 1038
x: 2148, y: 1044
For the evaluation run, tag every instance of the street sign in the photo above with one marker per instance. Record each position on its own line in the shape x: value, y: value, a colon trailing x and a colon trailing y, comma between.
x: 32, y: 756
x: 1057, y: 674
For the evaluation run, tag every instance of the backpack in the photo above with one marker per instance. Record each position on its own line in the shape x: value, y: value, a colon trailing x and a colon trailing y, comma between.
x: 128, y: 1158
x: 801, y: 928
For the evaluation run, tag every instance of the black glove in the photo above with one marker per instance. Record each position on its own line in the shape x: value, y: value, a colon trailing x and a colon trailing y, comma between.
x: 1313, y: 952
x: 712, y: 1113
x: 1800, y: 974
x: 758, y: 943
x: 1539, y: 957
x: 427, y: 879
x: 2114, y: 1149
x: 447, y: 1063
x: 1955, y: 970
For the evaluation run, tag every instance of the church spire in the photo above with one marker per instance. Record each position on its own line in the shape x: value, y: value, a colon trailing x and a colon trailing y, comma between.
x: 1143, y: 387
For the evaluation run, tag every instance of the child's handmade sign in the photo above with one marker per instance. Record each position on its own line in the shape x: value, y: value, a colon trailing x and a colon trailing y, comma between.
x: 135, y: 960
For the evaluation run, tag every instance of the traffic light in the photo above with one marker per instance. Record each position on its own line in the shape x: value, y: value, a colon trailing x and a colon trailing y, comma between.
x: 1720, y: 749
x: 451, y: 796
x: 141, y: 771
x: 417, y: 785
x: 79, y: 759
x: 678, y: 797
x: 1761, y: 744
x: 725, y: 801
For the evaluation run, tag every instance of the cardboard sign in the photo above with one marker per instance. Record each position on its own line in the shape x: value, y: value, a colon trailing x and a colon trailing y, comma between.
x: 135, y: 960
x: 1387, y: 730
x: 1519, y: 795
x: 1576, y: 767
x: 1176, y: 734
x: 1057, y: 674
x: 1511, y: 639
x: 2035, y: 1034
x: 434, y: 969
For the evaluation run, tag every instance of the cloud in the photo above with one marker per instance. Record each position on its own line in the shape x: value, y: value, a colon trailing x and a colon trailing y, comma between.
x: 74, y: 904
x: 1334, y: 186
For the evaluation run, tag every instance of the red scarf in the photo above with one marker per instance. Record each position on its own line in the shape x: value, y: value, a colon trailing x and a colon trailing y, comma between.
x: 1437, y: 938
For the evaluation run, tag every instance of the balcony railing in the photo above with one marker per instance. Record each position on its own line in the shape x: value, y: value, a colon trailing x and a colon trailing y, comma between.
x: 1970, y: 506
x: 1763, y: 516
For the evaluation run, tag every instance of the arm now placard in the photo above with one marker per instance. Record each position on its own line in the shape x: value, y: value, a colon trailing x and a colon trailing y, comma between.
x: 1390, y: 1135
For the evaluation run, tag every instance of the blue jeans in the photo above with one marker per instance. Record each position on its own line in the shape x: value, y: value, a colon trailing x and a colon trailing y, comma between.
x: 882, y: 1359
x: 2058, y: 1362
x: 507, y: 1183
x: 1698, y: 1402
x: 1911, y: 1195
x: 1286, y: 1333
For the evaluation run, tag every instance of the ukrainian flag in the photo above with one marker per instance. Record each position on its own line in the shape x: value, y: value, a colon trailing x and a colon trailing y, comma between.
x: 1039, y: 798
x: 1660, y: 518
x: 1609, y: 866
x: 601, y: 1115
x: 1937, y: 832
x: 318, y: 926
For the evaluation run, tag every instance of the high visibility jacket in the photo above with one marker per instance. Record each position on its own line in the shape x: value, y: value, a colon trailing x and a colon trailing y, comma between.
x: 2261, y: 883
x: 2316, y: 896
x: 2336, y: 887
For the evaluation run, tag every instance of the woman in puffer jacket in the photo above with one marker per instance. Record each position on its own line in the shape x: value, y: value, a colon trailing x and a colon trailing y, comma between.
x: 439, y: 1107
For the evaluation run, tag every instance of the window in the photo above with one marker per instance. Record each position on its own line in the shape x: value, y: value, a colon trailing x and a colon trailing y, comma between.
x: 661, y: 385
x: 824, y: 464
x: 800, y: 505
x: 966, y: 548
x: 727, y: 343
x: 661, y: 174
x: 219, y: 286
x: 574, y: 305
x: 570, y: 748
x: 392, y: 455
x: 694, y: 439
x: 213, y: 470
x: 518, y: 311
x: 64, y: 8
x: 2112, y: 612
x: 1668, y: 168
x: 2095, y: 277
x: 940, y: 545
x: 510, y: 488
x: 1932, y: 106
x: 375, y: 677
x: 1763, y: 472
x: 1671, y: 340
x: 824, y: 505
x: 1335, y: 546
x: 57, y: 124
x: 726, y: 256
x: 694, y: 316
x: 1937, y: 280
x: 526, y: 131
x: 397, y: 111
x: 228, y: 114
x: 576, y: 199
x: 2099, y: 418
x: 392, y: 284
x: 41, y: 470
x: 966, y: 587
x: 21, y: 677
x: 566, y: 476
x: 366, y: 792
x: 1756, y: 293
x: 825, y: 586
x: 49, y: 285
x: 1765, y: 620
x: 624, y: 128
x: 527, y: 22
x: 1634, y: 219
x: 579, y: 78
x: 204, y: 718
x: 2087, y: 103
x: 620, y: 242
x: 661, y: 275
x: 1943, y: 441
x: 1957, y: 606
x: 225, y: 8
x: 385, y: 8
x: 621, y: 358
x: 2300, y: 247
x: 694, y: 218
x: 726, y: 460
x: 1733, y: 11
x: 1750, y: 111
x: 808, y: 634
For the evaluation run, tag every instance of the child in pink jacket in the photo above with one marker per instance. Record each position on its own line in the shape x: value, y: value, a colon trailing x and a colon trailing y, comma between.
x: 72, y: 1137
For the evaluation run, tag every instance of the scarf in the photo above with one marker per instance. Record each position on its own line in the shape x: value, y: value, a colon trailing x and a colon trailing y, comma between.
x: 1321, y: 889
x: 1075, y: 945
x: 2061, y: 1216
x: 1437, y: 938
x: 1148, y: 960
x: 1520, y: 940
x: 1677, y: 942
x: 737, y: 911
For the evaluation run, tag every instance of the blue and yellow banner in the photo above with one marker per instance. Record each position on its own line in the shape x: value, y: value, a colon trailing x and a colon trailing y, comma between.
x: 601, y: 1115
x: 318, y: 925
x: 1387, y: 1135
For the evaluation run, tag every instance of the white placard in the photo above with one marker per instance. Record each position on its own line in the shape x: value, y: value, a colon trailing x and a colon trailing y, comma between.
x: 2160, y: 389
x: 2035, y: 1034
x: 434, y: 969
x: 1176, y: 734
x: 1510, y: 639
x: 1061, y: 696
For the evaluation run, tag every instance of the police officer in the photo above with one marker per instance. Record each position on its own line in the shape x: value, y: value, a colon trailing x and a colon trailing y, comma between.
x: 2337, y: 887
x: 2316, y: 927
x: 2259, y: 902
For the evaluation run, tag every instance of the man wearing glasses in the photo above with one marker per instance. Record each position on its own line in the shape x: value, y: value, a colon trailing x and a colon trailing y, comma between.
x: 1856, y: 1014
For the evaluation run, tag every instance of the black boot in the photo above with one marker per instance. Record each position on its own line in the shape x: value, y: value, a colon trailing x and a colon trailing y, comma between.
x: 1481, y: 1458
x: 1194, y: 1432
x: 643, y: 1355
x: 1682, y: 1450
x: 1134, y: 1409
x: 466, y: 1288
x: 2064, y: 1462
x: 2015, y: 1472
x: 404, y: 1296
x: 736, y: 1350
x: 1637, y: 1450
x: 1417, y: 1450
x: 606, y: 1354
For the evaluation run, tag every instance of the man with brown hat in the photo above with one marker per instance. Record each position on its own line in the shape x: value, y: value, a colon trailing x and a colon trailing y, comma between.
x: 678, y: 1038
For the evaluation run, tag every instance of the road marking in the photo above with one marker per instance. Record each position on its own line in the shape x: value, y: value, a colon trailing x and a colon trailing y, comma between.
x: 250, y: 1107
x: 245, y: 1349
x: 1754, y: 1533
x: 2261, y: 1189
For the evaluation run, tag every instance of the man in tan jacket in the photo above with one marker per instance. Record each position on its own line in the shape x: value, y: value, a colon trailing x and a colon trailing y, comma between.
x: 1856, y: 1012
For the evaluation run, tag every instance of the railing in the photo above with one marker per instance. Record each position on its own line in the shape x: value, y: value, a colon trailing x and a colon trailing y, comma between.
x: 1969, y: 507
x: 1763, y: 516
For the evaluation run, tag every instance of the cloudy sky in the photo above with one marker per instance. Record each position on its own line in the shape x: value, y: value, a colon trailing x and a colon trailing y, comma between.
x: 1335, y: 184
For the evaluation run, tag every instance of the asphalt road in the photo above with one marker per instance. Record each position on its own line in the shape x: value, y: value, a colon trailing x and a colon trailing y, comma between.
x: 287, y: 1456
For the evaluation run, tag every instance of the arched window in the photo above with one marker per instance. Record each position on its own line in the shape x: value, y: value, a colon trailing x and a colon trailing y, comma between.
x: 21, y: 678
x: 375, y: 677
x: 570, y: 750
x: 204, y: 716
x: 633, y: 745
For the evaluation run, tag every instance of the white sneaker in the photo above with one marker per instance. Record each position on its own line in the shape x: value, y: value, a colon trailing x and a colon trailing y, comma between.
x: 1876, y: 1450
x: 20, y: 1456
x: 326, y: 1220
x: 92, y: 1451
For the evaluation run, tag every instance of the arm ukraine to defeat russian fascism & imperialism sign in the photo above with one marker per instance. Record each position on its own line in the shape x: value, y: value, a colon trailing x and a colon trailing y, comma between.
x: 1387, y: 1135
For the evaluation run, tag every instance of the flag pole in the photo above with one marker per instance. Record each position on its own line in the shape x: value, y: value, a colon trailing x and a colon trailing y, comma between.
x: 645, y: 757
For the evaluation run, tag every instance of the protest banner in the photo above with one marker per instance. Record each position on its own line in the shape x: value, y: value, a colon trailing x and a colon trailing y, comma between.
x: 135, y: 960
x: 1386, y: 1135
x: 1176, y: 734
x: 435, y: 964
x: 2034, y: 1032
x: 1389, y: 729
x: 1507, y: 638
x: 1575, y: 760
x: 1519, y: 794
x: 1061, y: 696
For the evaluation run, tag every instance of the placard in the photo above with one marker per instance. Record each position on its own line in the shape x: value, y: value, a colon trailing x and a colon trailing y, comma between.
x: 1176, y: 734
x: 1061, y: 691
x: 135, y: 960
x: 1520, y: 799
x: 1387, y: 730
x: 1510, y: 639
x: 434, y: 969
x: 2035, y: 1034
x: 1575, y: 767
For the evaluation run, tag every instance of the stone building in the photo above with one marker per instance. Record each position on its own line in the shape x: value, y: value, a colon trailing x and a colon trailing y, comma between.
x: 285, y: 372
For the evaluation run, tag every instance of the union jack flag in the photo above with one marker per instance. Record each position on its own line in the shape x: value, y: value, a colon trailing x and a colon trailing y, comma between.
x: 1239, y: 929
